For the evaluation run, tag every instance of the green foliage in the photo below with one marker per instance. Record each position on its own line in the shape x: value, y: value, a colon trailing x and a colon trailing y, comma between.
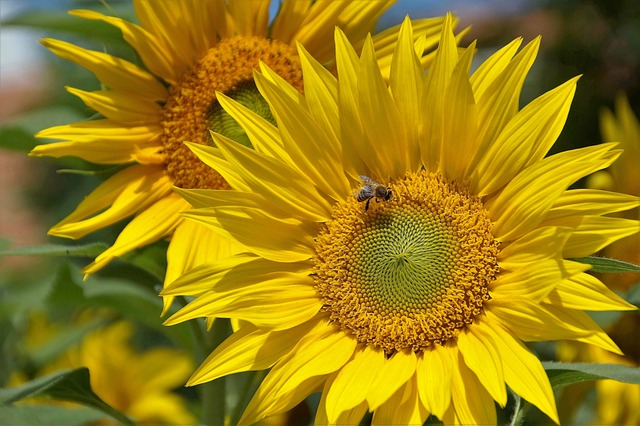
x: 606, y: 265
x: 564, y: 374
x: 67, y: 385
x: 48, y: 415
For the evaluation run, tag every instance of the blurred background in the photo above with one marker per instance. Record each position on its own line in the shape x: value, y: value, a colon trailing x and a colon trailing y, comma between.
x: 598, y: 39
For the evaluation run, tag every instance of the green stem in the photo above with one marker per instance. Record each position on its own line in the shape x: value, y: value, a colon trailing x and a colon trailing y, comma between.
x: 519, y: 411
x: 213, y: 393
x: 246, y: 393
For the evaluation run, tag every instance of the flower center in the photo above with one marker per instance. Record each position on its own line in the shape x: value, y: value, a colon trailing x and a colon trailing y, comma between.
x: 192, y: 108
x: 409, y: 271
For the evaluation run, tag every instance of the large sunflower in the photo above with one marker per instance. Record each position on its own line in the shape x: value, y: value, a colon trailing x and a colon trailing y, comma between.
x: 410, y: 291
x: 190, y: 49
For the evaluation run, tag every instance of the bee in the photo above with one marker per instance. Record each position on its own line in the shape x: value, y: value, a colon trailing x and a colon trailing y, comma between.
x: 371, y: 189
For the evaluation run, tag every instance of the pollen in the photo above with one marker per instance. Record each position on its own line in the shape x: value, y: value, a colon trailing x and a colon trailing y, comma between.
x: 410, y: 271
x: 192, y: 109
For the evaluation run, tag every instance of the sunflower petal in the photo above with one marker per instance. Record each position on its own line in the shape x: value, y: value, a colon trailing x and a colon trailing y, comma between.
x: 586, y: 292
x: 238, y: 352
x: 353, y: 381
x: 525, y: 139
x: 250, y: 17
x: 402, y: 408
x: 112, y: 71
x: 152, y: 224
x: 523, y: 371
x: 535, y: 280
x: 155, y: 56
x: 472, y: 403
x: 395, y: 373
x: 434, y: 371
x: 275, y: 180
x: 316, y: 152
x: 127, y: 192
x: 482, y: 356
x: 540, y: 244
x: 580, y: 202
x: 521, y: 206
x: 274, y: 239
x: 406, y: 83
x: 99, y: 141
x: 120, y: 106
x: 352, y: 416
x: 300, y: 373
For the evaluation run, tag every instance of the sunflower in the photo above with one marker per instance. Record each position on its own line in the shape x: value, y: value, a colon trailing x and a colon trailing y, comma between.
x: 131, y: 381
x: 190, y: 50
x: 402, y: 240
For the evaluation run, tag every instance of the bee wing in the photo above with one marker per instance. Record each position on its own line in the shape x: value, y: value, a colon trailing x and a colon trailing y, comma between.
x: 367, y: 180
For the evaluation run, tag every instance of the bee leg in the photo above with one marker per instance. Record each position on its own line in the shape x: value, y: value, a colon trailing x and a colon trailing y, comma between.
x: 366, y: 206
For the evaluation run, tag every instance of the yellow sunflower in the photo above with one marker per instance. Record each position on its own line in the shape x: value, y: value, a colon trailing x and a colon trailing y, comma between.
x: 190, y: 50
x: 135, y: 383
x: 402, y: 240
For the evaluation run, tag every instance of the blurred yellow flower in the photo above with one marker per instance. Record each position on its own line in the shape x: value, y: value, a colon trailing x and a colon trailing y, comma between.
x: 402, y: 241
x: 191, y: 50
x: 138, y: 384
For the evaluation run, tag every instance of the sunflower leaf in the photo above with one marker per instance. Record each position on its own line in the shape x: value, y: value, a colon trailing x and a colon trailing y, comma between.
x: 87, y: 250
x: 49, y: 415
x: 67, y: 385
x: 607, y: 265
x: 563, y: 374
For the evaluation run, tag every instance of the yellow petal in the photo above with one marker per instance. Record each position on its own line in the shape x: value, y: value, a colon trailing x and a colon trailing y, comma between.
x: 586, y: 292
x: 394, y: 374
x: 541, y: 322
x: 192, y: 245
x: 500, y: 100
x: 460, y: 121
x: 275, y: 300
x: 402, y: 408
x: 156, y: 57
x: 352, y: 383
x: 127, y: 192
x: 593, y: 233
x: 186, y: 28
x: 437, y: 81
x: 406, y: 82
x: 315, y: 151
x: 535, y: 280
x: 112, y: 71
x: 120, y: 106
x: 472, y: 403
x: 349, y: 417
x: 300, y: 373
x: 482, y: 356
x: 250, y: 17
x: 433, y: 373
x: 523, y: 371
x: 99, y: 141
x: 316, y: 30
x: 580, y: 202
x: 492, y: 68
x: 380, y: 117
x: 249, y: 348
x: 540, y: 244
x: 274, y: 239
x: 525, y: 139
x: 289, y: 18
x: 274, y: 180
x: 151, y: 225
x: 521, y: 206
x: 354, y: 143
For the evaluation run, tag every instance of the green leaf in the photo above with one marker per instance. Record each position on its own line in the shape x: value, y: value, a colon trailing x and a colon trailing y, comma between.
x: 67, y: 385
x: 87, y: 250
x: 49, y: 415
x: 563, y: 374
x: 105, y: 172
x: 606, y: 265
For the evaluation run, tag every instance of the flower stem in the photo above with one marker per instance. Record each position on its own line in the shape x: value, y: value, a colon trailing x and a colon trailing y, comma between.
x: 213, y: 393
